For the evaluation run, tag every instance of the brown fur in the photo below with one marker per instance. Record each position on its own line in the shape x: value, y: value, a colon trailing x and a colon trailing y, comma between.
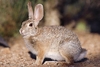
x: 55, y: 42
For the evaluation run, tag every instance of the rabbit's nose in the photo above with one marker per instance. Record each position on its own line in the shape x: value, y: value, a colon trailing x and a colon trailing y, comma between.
x: 21, y: 31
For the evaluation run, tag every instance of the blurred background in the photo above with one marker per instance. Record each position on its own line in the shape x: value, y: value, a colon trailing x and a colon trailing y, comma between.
x: 80, y: 15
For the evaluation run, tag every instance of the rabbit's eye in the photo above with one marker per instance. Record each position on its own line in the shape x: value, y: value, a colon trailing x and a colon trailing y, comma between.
x: 30, y: 24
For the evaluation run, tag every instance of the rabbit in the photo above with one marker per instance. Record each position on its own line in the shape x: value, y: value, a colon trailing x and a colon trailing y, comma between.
x: 55, y: 42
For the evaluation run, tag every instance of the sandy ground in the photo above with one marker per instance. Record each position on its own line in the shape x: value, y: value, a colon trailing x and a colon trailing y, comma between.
x: 18, y: 55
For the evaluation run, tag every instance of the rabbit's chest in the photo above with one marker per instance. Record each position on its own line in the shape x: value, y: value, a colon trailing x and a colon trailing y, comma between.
x: 30, y: 47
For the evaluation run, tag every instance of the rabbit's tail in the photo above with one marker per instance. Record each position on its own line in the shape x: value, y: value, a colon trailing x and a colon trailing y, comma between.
x: 82, y: 55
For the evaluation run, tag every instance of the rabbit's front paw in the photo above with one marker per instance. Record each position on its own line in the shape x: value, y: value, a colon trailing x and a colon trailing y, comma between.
x: 37, y: 62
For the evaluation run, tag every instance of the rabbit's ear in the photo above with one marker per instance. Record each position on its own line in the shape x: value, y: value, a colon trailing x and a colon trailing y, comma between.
x: 30, y: 10
x: 38, y: 13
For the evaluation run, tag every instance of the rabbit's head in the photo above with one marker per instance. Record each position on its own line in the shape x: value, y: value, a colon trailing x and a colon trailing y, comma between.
x: 30, y: 26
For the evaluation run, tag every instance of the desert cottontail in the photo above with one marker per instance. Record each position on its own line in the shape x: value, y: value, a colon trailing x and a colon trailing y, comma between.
x: 55, y: 42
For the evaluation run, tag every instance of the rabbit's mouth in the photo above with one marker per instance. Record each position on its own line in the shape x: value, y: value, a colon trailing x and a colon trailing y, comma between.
x: 25, y: 35
x: 22, y: 33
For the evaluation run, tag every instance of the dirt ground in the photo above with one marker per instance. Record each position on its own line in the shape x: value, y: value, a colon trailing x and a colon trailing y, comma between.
x: 18, y: 55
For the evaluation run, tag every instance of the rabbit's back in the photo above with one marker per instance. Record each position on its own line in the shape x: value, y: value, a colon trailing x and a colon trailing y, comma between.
x: 56, y: 32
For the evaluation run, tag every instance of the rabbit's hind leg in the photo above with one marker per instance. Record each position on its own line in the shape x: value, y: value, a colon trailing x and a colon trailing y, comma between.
x: 68, y: 58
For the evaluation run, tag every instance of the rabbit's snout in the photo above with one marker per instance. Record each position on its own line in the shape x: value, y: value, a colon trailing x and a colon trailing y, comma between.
x: 21, y: 31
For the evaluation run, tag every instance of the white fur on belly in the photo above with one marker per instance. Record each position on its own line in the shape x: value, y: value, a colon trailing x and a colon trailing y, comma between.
x: 54, y: 55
